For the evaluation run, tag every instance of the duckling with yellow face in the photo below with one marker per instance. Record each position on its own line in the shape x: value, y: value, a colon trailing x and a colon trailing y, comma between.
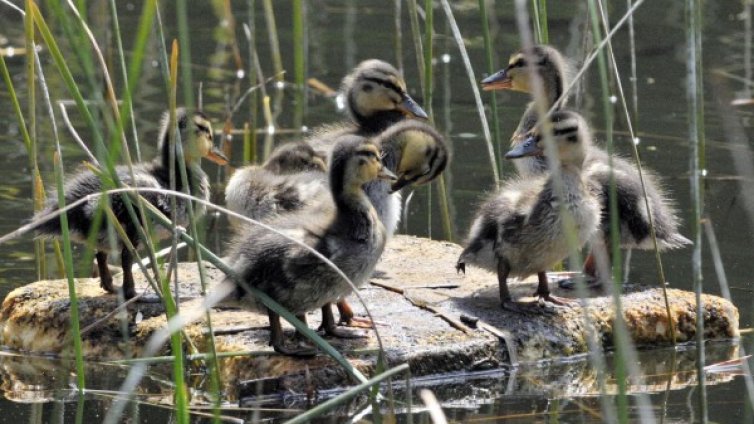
x: 520, y: 230
x: 197, y: 142
x: 351, y: 236
x: 633, y: 215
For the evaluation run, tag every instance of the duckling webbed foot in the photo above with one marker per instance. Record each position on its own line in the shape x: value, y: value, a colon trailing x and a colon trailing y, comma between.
x: 349, y: 319
x: 332, y: 329
x: 278, y: 342
x: 547, y: 299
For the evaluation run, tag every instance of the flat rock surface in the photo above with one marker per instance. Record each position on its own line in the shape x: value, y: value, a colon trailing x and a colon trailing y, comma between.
x: 416, y: 298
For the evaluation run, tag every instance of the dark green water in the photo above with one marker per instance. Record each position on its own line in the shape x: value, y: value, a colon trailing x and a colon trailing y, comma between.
x: 342, y: 33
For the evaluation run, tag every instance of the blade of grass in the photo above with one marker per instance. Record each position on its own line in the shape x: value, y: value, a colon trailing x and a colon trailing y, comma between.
x: 695, y: 96
x: 171, y: 306
x: 475, y: 89
x: 272, y: 36
x: 496, y: 137
x: 299, y: 61
x: 75, y: 325
x: 184, y: 38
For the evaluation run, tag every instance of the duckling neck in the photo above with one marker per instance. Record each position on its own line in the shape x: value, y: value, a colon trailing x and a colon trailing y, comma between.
x: 355, y: 215
x: 193, y: 170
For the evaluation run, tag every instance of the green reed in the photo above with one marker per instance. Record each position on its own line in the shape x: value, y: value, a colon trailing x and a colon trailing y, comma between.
x: 299, y: 62
x: 622, y: 340
x: 474, y: 88
x: 695, y: 96
x: 184, y: 39
x: 489, y: 55
x: 272, y: 36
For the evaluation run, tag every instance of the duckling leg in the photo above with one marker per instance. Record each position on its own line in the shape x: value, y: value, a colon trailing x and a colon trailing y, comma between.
x: 332, y: 329
x: 506, y: 301
x: 105, y: 277
x: 349, y: 319
x: 543, y: 292
x: 126, y: 261
x: 277, y: 339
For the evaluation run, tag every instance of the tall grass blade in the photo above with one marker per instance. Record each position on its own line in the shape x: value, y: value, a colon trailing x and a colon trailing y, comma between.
x: 488, y: 56
x: 184, y: 38
x: 272, y: 36
x: 398, y: 38
x: 181, y: 395
x: 475, y: 89
x: 299, y: 61
x: 250, y: 143
x: 695, y: 96
x: 413, y: 13
x: 68, y: 255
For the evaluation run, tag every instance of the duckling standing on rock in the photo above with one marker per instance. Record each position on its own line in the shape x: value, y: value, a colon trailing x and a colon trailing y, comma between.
x: 519, y: 230
x: 634, y: 220
x: 351, y: 236
x: 376, y: 98
x: 196, y: 139
x: 413, y: 150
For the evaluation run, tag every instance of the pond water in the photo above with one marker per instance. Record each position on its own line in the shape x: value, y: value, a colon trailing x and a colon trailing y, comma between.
x: 342, y: 33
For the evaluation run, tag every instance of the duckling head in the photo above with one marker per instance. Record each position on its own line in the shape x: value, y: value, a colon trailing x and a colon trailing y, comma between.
x: 356, y: 161
x: 291, y: 158
x: 196, y: 136
x: 551, y: 66
x: 423, y: 152
x: 570, y: 135
x: 376, y: 93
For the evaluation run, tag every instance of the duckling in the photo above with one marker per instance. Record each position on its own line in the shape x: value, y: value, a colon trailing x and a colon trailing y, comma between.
x: 376, y: 98
x: 554, y: 71
x: 351, y: 236
x: 519, y: 231
x: 413, y: 150
x: 633, y: 217
x: 196, y: 138
x: 282, y: 184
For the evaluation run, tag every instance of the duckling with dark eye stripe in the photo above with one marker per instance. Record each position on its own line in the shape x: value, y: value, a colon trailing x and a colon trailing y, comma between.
x: 376, y: 97
x: 633, y: 215
x: 520, y: 230
x: 351, y: 236
x: 196, y: 138
x: 413, y: 150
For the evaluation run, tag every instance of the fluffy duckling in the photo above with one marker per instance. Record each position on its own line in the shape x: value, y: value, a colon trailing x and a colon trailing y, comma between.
x: 376, y: 98
x: 519, y: 230
x: 351, y: 236
x: 196, y: 138
x: 281, y: 185
x: 632, y: 212
x: 413, y: 150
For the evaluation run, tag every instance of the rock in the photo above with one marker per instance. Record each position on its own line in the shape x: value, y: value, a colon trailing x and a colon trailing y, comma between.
x: 416, y: 298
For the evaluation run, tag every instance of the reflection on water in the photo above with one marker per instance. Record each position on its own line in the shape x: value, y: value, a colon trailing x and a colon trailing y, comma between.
x: 339, y: 34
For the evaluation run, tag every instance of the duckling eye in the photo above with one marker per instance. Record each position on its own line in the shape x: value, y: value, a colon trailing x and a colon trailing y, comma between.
x: 367, y: 88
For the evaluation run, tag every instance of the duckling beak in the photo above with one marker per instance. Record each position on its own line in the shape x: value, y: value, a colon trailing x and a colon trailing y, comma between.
x: 500, y: 80
x: 400, y: 183
x: 386, y: 174
x: 411, y: 108
x: 527, y: 148
x: 216, y: 156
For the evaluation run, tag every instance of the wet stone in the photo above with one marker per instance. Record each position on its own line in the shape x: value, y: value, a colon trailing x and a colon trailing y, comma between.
x: 417, y: 300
